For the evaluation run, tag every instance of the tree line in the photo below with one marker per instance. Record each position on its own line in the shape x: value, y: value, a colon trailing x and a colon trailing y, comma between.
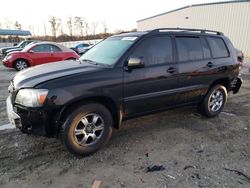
x: 74, y: 28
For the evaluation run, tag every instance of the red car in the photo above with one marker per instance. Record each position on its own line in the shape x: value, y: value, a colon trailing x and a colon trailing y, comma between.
x: 37, y: 54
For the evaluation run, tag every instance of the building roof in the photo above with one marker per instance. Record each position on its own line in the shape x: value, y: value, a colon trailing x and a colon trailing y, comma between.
x: 14, y: 32
x: 196, y: 5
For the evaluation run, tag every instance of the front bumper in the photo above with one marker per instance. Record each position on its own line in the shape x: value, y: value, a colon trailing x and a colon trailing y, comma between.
x: 34, y: 121
x: 14, y: 118
x: 7, y: 63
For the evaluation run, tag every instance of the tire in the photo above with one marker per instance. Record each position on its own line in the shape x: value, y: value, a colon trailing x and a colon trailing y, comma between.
x: 21, y: 64
x: 214, y: 101
x: 80, y: 135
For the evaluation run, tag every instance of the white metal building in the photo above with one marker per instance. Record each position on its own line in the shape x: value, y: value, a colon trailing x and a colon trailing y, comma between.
x: 230, y: 17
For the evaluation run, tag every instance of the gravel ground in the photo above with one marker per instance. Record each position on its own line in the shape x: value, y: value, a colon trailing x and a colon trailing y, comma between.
x: 194, y: 151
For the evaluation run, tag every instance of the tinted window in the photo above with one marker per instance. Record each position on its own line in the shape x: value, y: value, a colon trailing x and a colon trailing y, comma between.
x: 206, y: 49
x: 42, y: 48
x: 218, y: 47
x: 189, y: 48
x: 55, y: 48
x: 156, y: 50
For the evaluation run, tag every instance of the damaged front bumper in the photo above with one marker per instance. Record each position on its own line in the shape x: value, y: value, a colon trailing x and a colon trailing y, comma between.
x: 34, y: 121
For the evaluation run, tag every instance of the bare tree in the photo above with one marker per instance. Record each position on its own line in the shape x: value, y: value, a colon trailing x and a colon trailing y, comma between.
x: 79, y: 25
x: 8, y: 24
x: 45, y: 29
x: 105, y: 28
x: 94, y: 26
x: 17, y: 25
x: 55, y: 25
x: 86, y: 25
x: 70, y: 26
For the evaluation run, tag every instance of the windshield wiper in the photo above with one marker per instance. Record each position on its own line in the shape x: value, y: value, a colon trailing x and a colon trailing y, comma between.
x: 89, y: 61
x: 94, y: 62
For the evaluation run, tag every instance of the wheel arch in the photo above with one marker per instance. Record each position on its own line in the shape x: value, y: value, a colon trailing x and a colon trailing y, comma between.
x: 222, y: 81
x: 105, y: 101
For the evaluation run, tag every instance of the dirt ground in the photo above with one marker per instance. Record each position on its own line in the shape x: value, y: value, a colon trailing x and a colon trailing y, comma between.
x: 194, y: 151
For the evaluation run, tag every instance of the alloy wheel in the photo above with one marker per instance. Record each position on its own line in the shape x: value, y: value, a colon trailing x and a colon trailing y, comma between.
x: 89, y: 129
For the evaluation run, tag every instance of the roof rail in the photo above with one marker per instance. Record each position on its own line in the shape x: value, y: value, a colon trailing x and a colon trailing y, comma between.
x: 185, y: 29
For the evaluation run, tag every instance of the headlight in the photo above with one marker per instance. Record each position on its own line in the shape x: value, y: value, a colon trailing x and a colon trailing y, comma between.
x: 31, y: 97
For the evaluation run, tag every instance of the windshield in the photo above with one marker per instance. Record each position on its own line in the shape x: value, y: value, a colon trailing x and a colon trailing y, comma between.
x: 20, y: 44
x: 108, y: 51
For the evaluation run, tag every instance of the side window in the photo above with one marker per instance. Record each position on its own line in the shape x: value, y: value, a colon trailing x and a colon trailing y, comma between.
x: 85, y: 45
x: 206, y: 49
x: 55, y: 48
x: 218, y: 47
x: 42, y: 48
x: 189, y: 48
x: 80, y: 46
x: 155, y: 50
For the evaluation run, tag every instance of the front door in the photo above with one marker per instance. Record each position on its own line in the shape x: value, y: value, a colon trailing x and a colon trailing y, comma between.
x: 41, y: 54
x: 151, y: 87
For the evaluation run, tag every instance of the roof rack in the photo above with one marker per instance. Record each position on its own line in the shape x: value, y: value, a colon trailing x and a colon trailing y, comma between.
x: 186, y: 29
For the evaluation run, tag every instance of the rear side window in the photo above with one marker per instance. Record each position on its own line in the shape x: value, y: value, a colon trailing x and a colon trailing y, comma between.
x: 55, y: 48
x: 206, y: 49
x: 218, y: 47
x: 155, y: 50
x: 189, y: 48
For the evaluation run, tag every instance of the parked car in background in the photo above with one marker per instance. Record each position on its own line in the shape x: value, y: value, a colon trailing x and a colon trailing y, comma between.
x: 37, y: 54
x: 122, y: 77
x: 20, y: 49
x: 21, y: 45
x: 81, y: 48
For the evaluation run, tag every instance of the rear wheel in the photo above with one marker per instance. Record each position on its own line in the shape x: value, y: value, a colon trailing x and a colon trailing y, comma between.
x: 21, y: 64
x: 87, y: 129
x: 214, y: 101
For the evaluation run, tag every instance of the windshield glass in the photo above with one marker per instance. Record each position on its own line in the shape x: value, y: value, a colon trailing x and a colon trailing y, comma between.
x: 20, y: 44
x: 108, y: 51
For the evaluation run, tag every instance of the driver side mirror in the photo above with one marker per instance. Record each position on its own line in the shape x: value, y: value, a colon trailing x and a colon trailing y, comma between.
x: 136, y: 62
x: 31, y: 51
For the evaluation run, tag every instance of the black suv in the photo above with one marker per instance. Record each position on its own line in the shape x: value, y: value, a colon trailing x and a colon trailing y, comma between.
x: 124, y: 76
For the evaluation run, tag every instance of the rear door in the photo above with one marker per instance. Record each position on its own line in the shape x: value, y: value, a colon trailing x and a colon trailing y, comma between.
x: 196, y: 67
x: 152, y: 87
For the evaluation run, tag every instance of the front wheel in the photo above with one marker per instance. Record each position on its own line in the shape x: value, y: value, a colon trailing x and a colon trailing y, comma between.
x: 87, y: 129
x: 214, y: 101
x: 21, y: 64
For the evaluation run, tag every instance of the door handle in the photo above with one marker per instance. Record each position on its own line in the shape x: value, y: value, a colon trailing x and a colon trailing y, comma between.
x: 171, y: 70
x: 210, y: 64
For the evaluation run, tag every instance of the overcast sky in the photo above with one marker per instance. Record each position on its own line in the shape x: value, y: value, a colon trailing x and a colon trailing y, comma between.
x: 118, y: 15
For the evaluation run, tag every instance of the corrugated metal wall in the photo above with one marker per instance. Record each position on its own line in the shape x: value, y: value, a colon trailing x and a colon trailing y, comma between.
x: 233, y: 19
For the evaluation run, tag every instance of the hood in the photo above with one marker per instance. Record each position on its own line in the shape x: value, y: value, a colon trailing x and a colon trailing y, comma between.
x: 16, y: 52
x: 14, y: 49
x: 33, y: 76
x: 8, y: 48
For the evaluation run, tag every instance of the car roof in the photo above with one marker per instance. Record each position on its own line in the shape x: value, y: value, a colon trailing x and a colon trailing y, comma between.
x: 186, y: 31
x: 63, y: 48
x: 132, y: 34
